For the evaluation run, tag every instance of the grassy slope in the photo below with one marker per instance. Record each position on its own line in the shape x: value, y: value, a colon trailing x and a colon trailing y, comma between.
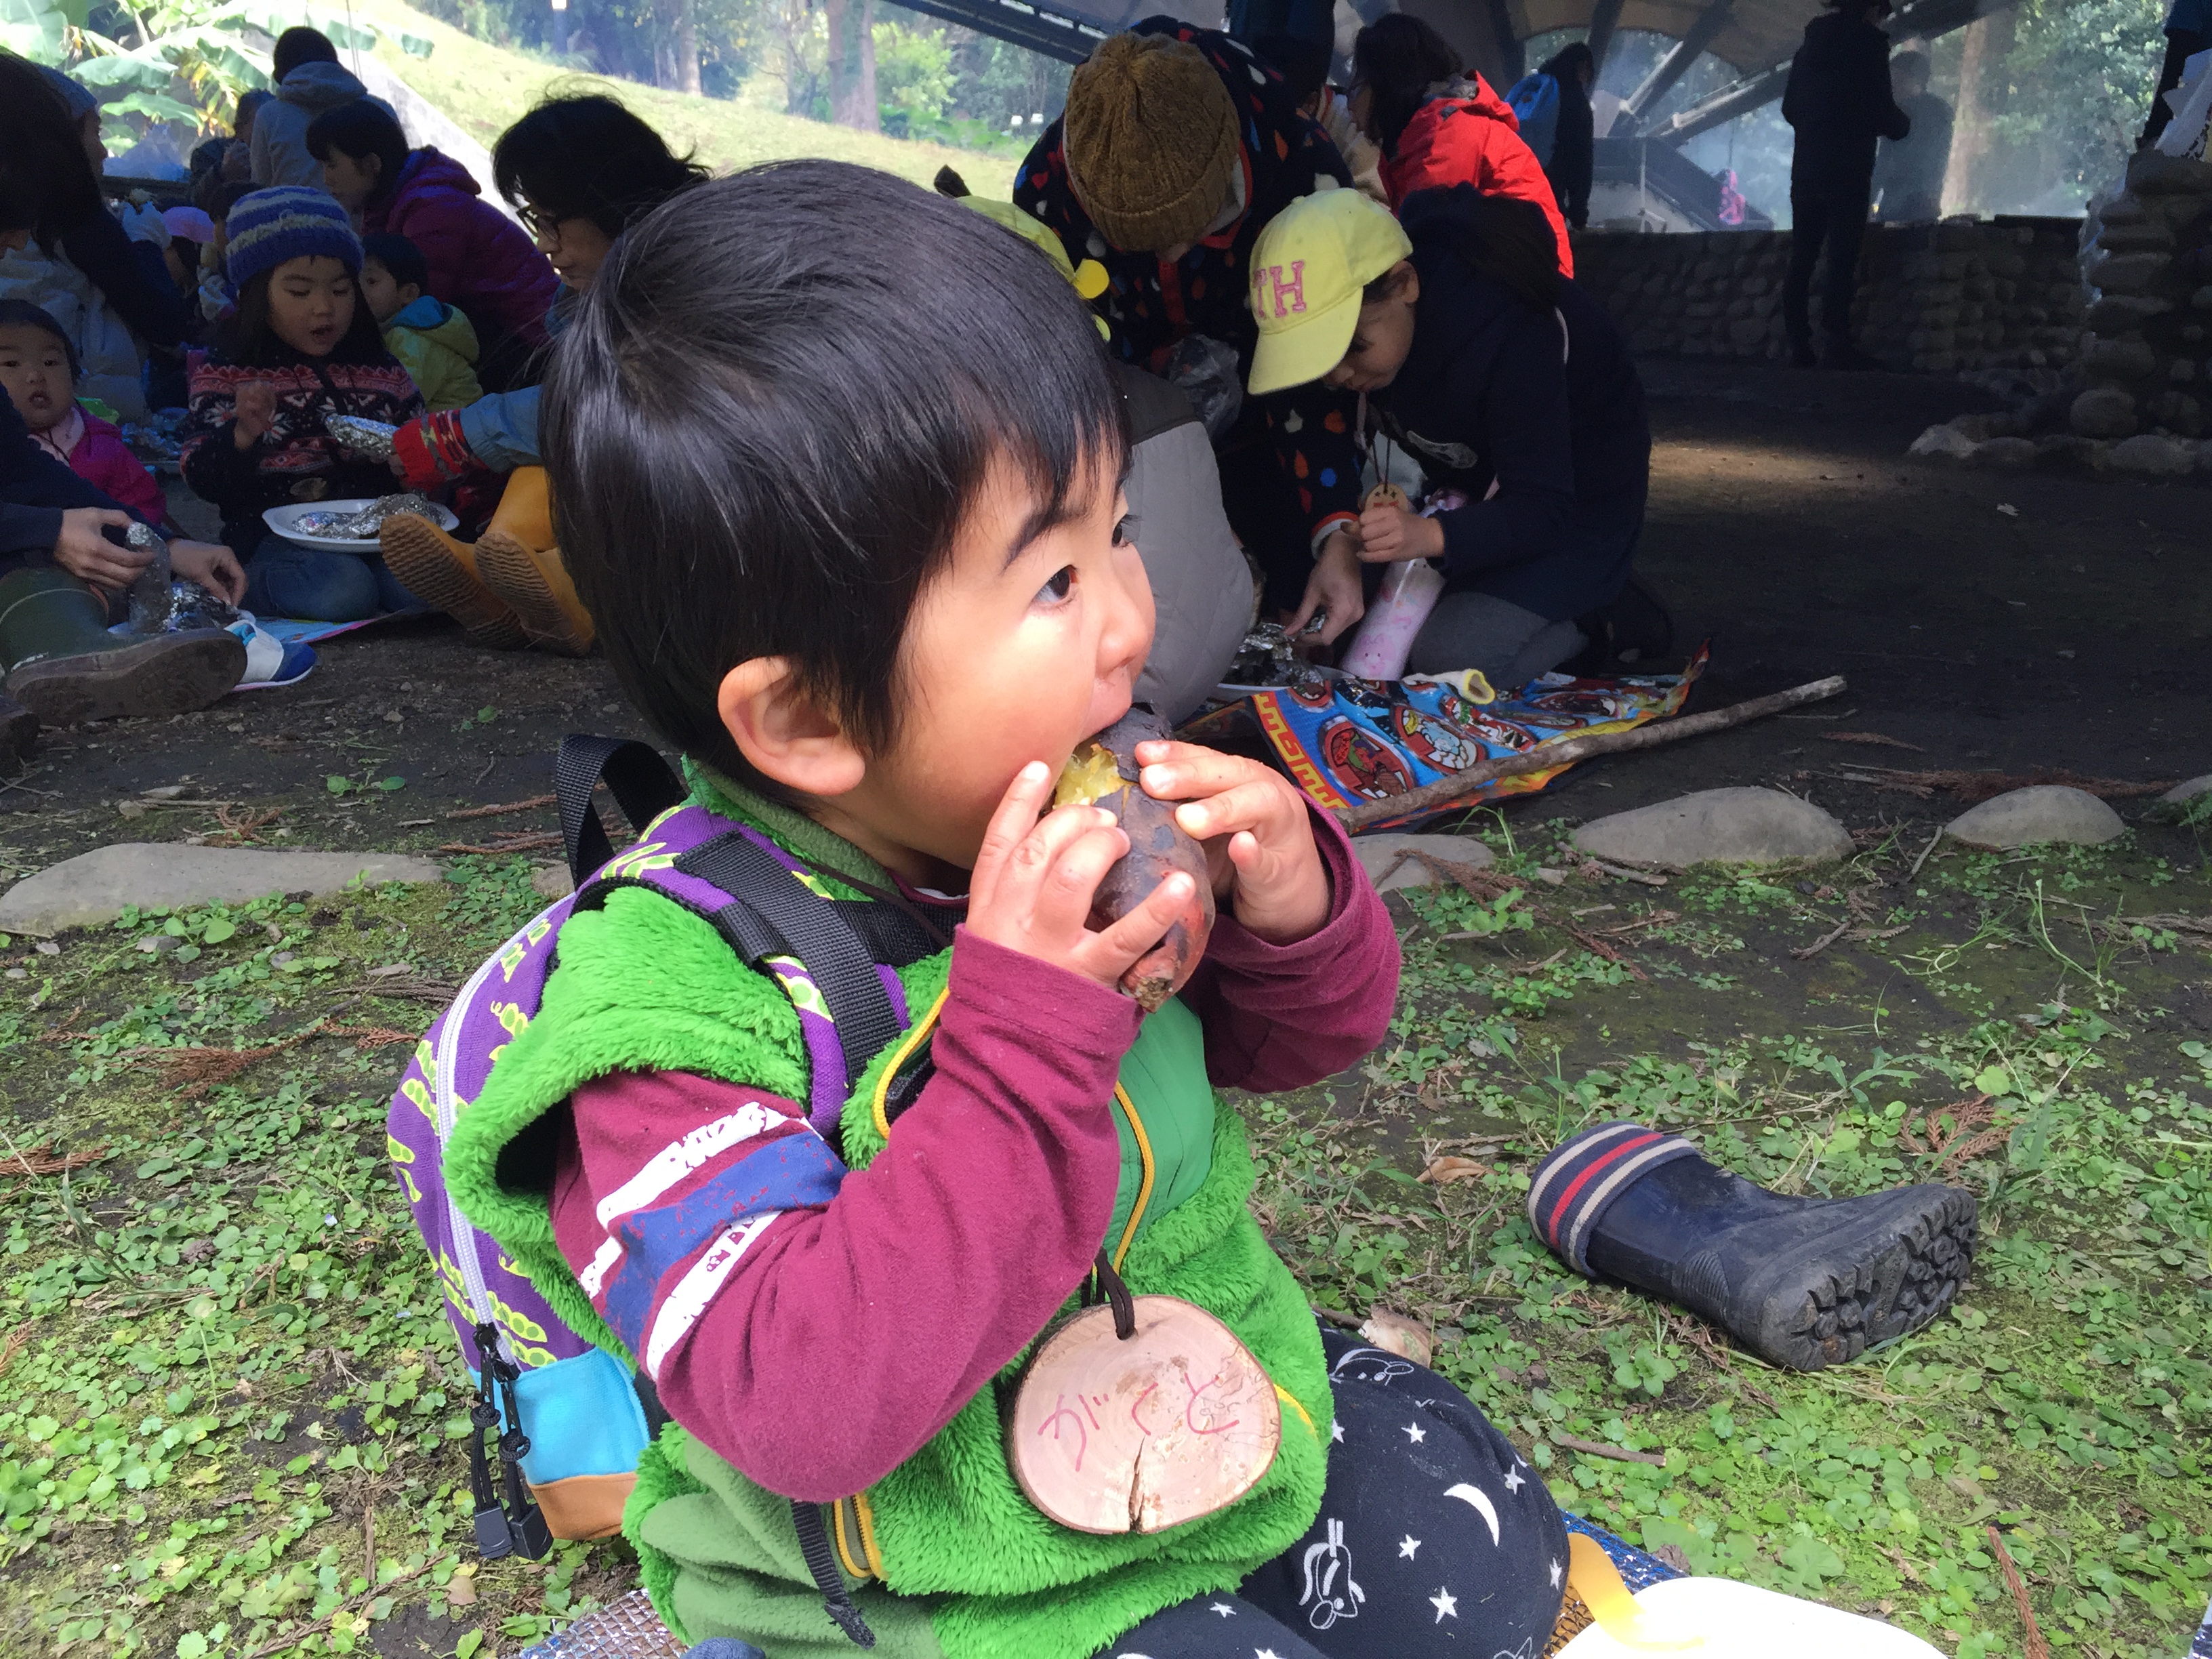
x: 484, y: 89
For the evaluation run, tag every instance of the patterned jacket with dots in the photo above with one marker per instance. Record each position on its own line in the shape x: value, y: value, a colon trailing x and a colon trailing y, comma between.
x: 1150, y: 305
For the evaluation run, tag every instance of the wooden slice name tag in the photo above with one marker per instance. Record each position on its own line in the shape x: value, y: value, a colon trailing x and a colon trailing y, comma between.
x: 1387, y: 495
x: 1108, y: 1436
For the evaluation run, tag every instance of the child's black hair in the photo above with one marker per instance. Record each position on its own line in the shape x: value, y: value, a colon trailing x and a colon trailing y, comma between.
x: 357, y: 130
x: 22, y: 313
x: 1398, y: 57
x: 587, y: 157
x: 247, y: 339
x: 399, y: 256
x: 1501, y: 239
x: 774, y: 409
x: 296, y: 46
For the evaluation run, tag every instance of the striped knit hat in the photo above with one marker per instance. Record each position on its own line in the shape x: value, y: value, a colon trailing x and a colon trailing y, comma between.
x: 268, y: 227
x: 1576, y: 1184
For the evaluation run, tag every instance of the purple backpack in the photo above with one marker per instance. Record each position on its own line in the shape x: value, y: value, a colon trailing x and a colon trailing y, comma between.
x: 568, y: 1417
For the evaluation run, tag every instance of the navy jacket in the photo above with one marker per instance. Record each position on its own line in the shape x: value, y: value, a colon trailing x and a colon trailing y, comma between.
x: 1484, y: 395
x: 1838, y: 98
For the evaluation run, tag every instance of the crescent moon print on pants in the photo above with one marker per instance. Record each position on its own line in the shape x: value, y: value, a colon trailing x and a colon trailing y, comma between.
x: 1434, y: 1537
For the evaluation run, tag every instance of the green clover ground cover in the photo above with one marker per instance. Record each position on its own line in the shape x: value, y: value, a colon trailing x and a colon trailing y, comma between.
x: 231, y: 1410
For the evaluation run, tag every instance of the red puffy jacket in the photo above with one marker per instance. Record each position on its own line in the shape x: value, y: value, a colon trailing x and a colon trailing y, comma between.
x: 1470, y: 135
x: 480, y: 260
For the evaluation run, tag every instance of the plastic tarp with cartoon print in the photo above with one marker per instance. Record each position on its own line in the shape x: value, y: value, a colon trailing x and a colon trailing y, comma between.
x: 1346, y: 741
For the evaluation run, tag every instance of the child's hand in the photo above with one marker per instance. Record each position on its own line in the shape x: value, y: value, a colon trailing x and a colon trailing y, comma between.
x: 1388, y: 533
x: 257, y: 413
x: 1035, y: 883
x: 1258, y: 835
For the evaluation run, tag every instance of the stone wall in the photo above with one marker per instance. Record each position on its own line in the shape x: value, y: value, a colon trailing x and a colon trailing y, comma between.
x: 2146, y: 271
x: 1932, y: 299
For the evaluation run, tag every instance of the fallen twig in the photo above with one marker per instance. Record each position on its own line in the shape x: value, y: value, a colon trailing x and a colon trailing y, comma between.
x: 2034, y: 1644
x: 1932, y: 842
x: 1809, y: 952
x: 1973, y: 786
x: 30, y: 1162
x: 1544, y: 756
x: 1599, y: 1448
x: 520, y: 843
x: 1873, y: 737
x: 1597, y: 946
x: 238, y: 827
x: 504, y: 808
x: 1624, y: 873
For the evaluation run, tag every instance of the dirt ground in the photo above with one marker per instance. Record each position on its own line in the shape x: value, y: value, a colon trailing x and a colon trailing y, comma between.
x: 1786, y: 525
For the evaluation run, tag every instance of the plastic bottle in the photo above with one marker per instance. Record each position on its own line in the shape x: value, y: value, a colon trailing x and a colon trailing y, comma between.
x: 1409, y: 592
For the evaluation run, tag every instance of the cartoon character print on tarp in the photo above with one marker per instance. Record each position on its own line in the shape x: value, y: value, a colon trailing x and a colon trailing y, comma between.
x: 1346, y: 741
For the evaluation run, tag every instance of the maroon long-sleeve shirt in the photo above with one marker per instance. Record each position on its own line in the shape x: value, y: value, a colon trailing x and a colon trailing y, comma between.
x: 819, y: 1345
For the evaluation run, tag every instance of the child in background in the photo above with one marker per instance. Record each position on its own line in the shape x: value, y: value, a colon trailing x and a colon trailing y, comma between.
x: 436, y: 343
x: 38, y: 365
x: 877, y: 654
x: 301, y: 348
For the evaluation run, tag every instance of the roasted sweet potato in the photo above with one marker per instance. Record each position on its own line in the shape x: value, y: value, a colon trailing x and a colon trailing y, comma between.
x: 1103, y: 773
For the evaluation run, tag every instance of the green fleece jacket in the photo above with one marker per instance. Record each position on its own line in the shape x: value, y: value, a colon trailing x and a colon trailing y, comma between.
x: 963, y: 1567
x: 437, y: 346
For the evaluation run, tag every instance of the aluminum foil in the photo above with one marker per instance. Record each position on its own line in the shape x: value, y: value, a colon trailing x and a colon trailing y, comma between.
x: 364, y: 524
x: 363, y: 436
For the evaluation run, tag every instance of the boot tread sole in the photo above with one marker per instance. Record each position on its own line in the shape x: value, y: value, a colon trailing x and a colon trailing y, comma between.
x: 172, y: 674
x: 415, y: 552
x: 510, y: 571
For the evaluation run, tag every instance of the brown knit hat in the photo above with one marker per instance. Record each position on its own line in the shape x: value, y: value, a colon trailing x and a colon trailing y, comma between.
x: 1150, y: 135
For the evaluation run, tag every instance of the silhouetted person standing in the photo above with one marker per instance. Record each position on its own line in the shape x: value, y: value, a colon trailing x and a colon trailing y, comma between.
x: 1838, y: 100
x: 1574, y: 148
x: 1908, y: 178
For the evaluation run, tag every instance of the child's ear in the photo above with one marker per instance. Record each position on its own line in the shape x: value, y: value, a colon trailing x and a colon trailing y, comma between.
x: 784, y: 732
x: 1406, y: 282
x: 408, y: 294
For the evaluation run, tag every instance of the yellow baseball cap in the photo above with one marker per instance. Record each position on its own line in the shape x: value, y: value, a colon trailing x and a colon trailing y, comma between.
x: 1308, y: 269
x: 1087, y: 279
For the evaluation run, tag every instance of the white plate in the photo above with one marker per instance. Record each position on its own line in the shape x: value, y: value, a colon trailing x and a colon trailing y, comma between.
x: 280, y: 520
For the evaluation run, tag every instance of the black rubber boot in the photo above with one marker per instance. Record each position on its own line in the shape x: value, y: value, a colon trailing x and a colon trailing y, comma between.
x: 1803, y: 1283
x: 64, y: 665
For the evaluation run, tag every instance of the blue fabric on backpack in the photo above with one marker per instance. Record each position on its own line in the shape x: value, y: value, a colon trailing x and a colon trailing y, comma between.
x: 1535, y: 100
x: 583, y: 1416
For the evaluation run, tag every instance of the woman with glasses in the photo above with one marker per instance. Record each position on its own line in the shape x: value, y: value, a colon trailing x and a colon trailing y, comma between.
x: 577, y: 171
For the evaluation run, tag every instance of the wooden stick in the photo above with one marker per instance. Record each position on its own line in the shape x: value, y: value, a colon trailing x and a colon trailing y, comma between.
x: 1543, y: 758
x: 2035, y: 1645
x: 1618, y: 1454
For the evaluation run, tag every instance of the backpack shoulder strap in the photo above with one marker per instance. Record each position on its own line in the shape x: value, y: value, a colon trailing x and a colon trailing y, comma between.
x: 643, y: 785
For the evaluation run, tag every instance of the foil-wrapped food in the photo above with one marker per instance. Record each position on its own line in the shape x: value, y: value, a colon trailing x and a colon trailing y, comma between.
x: 361, y: 435
x: 364, y: 523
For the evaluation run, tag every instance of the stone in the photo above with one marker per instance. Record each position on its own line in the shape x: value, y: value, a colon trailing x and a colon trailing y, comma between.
x: 2153, y: 457
x: 2067, y: 449
x: 2189, y: 790
x: 2004, y: 454
x: 2116, y: 313
x: 551, y: 881
x: 1943, y: 442
x: 2154, y: 173
x: 1376, y: 853
x: 94, y: 887
x: 2104, y: 411
x: 2145, y: 236
x: 1717, y: 826
x: 2041, y: 812
x: 2124, y: 359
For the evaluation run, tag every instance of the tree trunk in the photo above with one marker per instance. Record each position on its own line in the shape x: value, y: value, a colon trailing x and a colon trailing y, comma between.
x: 852, y: 64
x: 1970, y: 182
x: 687, y: 47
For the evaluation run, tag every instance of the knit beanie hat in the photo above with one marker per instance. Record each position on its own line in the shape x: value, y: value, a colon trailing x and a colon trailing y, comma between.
x: 268, y: 227
x: 79, y: 98
x: 1150, y: 137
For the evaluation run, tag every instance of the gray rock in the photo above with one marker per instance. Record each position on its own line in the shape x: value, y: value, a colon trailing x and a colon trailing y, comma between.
x: 2041, y: 812
x: 2116, y: 313
x: 2154, y: 173
x: 2122, y: 359
x: 2123, y: 273
x: 1378, y: 853
x: 2153, y: 456
x: 94, y: 887
x: 2182, y: 792
x: 1717, y: 826
x: 2004, y: 454
x: 2104, y: 411
x: 551, y: 881
x: 1943, y: 442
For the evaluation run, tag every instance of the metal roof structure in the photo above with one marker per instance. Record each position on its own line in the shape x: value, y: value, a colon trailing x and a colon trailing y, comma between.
x: 1754, y: 37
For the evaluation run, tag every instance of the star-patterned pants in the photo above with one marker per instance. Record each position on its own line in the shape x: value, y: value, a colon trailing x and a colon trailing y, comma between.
x: 1434, y: 1537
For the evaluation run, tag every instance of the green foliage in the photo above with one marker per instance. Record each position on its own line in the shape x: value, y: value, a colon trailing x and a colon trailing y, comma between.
x: 2080, y: 75
x: 914, y: 70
